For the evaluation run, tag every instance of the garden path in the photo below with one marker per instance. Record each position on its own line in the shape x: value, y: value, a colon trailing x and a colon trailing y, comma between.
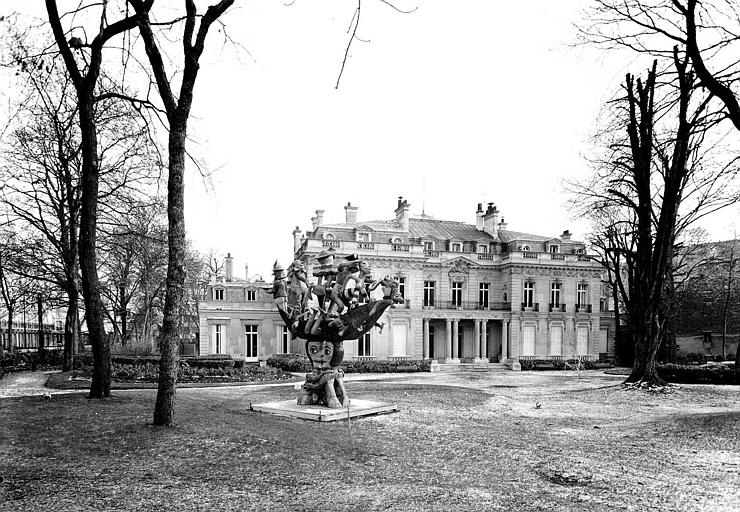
x: 28, y: 384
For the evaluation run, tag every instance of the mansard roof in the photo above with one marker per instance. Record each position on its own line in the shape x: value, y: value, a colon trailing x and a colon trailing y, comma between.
x: 509, y: 236
x: 446, y: 230
x: 375, y: 225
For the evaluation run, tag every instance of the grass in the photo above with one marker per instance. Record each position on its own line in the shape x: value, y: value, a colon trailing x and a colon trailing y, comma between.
x: 499, y: 441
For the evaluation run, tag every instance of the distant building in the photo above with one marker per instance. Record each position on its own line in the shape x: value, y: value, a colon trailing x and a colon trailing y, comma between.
x: 238, y: 317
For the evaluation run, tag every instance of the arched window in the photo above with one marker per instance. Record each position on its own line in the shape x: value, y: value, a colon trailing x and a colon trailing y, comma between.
x: 329, y: 236
x: 524, y: 248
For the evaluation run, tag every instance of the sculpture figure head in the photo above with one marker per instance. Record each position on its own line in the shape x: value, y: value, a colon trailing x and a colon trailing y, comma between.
x: 320, y: 353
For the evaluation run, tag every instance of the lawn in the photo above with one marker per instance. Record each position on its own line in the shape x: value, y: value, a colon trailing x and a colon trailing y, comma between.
x: 498, y: 441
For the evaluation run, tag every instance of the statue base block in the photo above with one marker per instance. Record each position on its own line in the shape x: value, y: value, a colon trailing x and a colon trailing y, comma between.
x: 357, y: 409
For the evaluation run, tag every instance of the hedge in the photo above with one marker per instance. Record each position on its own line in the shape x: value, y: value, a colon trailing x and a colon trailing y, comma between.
x: 31, y: 361
x: 555, y: 364
x: 300, y: 363
x: 712, y: 373
x: 148, y: 372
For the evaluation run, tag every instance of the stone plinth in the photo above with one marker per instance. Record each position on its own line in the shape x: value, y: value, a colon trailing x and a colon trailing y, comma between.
x: 357, y: 409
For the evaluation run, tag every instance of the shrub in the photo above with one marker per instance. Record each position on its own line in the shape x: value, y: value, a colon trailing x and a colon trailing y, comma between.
x: 711, y: 373
x: 134, y: 347
x: 290, y: 362
x: 555, y: 364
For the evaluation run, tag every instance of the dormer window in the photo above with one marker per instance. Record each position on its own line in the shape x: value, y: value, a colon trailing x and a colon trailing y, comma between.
x: 218, y: 294
x: 456, y: 247
x: 524, y: 248
x: 329, y: 236
x: 554, y: 249
x: 363, y: 237
x: 428, y: 246
x: 396, y: 240
x: 251, y: 295
x: 482, y: 249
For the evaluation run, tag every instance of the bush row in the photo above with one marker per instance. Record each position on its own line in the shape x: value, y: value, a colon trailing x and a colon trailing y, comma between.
x: 31, y: 361
x: 149, y: 372
x: 555, y: 364
x: 300, y: 363
x: 682, y: 358
x: 704, y: 374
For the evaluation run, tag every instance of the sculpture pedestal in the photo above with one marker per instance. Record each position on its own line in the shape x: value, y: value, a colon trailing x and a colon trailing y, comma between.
x: 357, y: 409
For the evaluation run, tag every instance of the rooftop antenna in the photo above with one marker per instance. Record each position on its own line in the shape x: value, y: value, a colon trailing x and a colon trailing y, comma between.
x: 423, y: 195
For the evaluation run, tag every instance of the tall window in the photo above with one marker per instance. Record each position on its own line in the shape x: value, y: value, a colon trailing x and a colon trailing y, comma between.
x: 528, y: 298
x: 456, y: 247
x: 217, y: 338
x: 556, y: 340
x: 429, y: 287
x: 251, y: 295
x: 483, y: 249
x: 483, y: 295
x: 460, y: 344
x: 402, y: 286
x: 285, y: 340
x: 428, y: 246
x: 363, y: 345
x: 581, y: 341
x: 555, y: 293
x: 431, y: 341
x: 581, y: 294
x: 457, y: 294
x: 554, y: 249
x: 251, y: 345
x: 218, y: 294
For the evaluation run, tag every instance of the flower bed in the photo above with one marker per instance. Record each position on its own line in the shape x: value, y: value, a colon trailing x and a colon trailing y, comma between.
x: 556, y: 364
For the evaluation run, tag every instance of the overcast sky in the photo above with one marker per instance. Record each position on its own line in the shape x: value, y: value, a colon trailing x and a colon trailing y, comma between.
x: 457, y: 103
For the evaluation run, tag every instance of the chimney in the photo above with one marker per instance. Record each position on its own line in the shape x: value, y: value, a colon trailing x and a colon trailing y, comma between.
x: 479, y: 217
x: 246, y: 271
x: 402, y: 213
x: 297, y: 234
x: 565, y: 237
x: 490, y: 220
x: 350, y: 213
x: 229, y: 264
x: 318, y: 220
x: 502, y: 224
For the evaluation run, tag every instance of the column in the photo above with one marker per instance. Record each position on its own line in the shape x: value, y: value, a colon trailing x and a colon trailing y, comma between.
x: 484, y: 340
x: 425, y: 342
x: 455, y: 344
x: 504, y: 339
x: 448, y: 335
x: 477, y: 338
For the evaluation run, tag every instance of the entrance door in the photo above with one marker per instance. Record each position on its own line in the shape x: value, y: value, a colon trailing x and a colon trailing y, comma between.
x: 399, y: 340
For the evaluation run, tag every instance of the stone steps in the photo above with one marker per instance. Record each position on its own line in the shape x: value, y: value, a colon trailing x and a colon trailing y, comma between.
x: 471, y: 367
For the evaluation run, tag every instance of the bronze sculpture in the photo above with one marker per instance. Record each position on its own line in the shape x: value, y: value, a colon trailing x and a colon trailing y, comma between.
x: 345, y: 311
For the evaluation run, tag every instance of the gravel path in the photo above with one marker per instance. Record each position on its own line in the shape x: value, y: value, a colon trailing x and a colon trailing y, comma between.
x: 28, y: 384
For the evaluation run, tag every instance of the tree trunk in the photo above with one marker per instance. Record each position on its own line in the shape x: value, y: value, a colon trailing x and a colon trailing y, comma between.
x: 40, y: 312
x: 10, y: 330
x: 71, y: 328
x: 165, y: 404
x: 647, y: 343
x: 100, y: 386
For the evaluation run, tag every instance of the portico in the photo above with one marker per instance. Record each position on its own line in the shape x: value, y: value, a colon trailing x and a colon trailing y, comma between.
x: 453, y: 339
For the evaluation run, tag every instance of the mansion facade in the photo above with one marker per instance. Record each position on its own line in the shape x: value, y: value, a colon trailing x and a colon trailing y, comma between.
x: 473, y: 293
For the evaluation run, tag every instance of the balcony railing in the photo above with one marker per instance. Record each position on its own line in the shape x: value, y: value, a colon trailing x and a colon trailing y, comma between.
x: 330, y: 243
x: 431, y: 254
x: 401, y: 247
x: 486, y: 256
x: 469, y: 305
x: 365, y: 245
x: 557, y: 256
x: 584, y: 308
x: 557, y: 308
x: 531, y: 255
x: 535, y: 306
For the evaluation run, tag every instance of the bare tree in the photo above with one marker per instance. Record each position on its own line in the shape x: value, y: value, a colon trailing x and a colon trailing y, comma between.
x: 654, y: 183
x: 83, y: 60
x: 177, y: 108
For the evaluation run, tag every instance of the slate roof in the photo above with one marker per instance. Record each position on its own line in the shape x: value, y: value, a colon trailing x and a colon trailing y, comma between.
x: 507, y: 236
x: 445, y: 230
